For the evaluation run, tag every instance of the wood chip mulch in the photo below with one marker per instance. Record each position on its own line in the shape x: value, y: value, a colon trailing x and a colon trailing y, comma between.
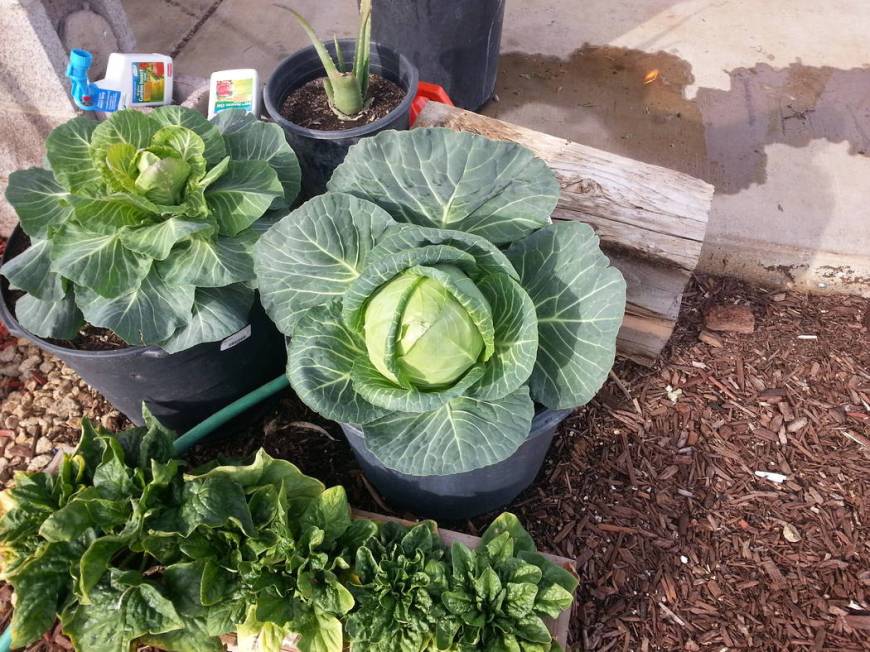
x: 716, y: 502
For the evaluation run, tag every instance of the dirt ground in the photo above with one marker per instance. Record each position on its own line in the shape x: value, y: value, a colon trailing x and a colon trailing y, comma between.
x: 715, y: 502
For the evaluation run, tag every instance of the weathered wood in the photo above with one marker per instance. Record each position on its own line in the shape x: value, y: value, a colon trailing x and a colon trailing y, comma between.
x: 558, y: 628
x: 651, y: 220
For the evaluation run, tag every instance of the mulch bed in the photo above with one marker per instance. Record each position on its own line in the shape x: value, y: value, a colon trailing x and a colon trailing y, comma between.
x: 654, y: 489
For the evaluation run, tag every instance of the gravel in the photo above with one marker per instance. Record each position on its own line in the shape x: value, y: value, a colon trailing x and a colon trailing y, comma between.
x: 42, y: 402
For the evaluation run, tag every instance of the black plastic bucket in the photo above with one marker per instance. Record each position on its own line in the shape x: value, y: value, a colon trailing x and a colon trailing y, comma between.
x: 454, y: 43
x: 320, y: 152
x: 462, y: 495
x: 181, y: 389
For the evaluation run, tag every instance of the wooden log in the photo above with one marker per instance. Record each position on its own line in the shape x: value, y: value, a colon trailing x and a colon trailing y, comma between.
x: 651, y: 220
x: 558, y: 628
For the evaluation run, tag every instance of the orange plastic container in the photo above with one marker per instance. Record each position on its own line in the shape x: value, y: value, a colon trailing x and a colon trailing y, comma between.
x: 425, y: 92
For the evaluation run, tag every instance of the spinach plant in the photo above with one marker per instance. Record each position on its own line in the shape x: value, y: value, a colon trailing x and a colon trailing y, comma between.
x: 431, y: 301
x: 145, y: 224
x: 500, y: 593
x: 346, y: 89
x: 398, y: 578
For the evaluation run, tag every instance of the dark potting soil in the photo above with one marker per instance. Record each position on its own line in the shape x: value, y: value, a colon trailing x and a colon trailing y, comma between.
x: 91, y: 338
x: 308, y: 107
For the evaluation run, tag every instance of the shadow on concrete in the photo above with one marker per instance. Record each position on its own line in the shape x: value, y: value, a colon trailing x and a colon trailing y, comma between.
x: 719, y: 136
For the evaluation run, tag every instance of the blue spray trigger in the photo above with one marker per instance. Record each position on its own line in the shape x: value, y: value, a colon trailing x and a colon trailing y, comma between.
x: 88, y: 96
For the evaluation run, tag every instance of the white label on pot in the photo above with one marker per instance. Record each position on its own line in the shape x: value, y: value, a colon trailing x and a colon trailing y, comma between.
x: 236, y: 338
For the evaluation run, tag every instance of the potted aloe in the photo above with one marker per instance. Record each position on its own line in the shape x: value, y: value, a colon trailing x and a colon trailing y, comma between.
x: 439, y: 316
x: 138, y: 237
x: 329, y: 95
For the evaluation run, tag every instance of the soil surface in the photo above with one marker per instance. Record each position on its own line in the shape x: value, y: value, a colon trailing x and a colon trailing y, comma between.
x: 308, y: 107
x: 654, y: 487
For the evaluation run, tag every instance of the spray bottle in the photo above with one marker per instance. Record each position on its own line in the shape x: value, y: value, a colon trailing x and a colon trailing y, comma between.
x: 132, y: 80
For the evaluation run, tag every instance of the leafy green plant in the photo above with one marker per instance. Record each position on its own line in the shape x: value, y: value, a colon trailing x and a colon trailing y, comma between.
x: 346, y: 90
x: 500, y: 593
x: 127, y: 549
x: 408, y: 319
x: 145, y: 224
x: 398, y: 577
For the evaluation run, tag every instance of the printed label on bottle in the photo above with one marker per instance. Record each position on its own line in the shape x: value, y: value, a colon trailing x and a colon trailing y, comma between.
x: 236, y: 338
x: 149, y: 82
x: 105, y: 100
x: 234, y: 94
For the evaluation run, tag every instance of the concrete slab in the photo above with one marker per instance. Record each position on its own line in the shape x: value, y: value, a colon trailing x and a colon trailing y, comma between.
x: 769, y: 101
x: 162, y: 25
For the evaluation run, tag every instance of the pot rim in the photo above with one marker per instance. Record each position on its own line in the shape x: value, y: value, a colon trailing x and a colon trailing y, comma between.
x: 337, y: 134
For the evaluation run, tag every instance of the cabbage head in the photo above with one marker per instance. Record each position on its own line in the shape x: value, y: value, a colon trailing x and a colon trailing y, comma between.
x: 145, y: 224
x: 406, y: 317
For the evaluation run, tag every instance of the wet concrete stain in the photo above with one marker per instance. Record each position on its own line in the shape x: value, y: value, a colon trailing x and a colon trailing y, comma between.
x: 719, y: 136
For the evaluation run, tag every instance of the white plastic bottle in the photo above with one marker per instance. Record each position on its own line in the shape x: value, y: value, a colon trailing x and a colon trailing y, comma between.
x: 141, y: 79
x: 234, y: 89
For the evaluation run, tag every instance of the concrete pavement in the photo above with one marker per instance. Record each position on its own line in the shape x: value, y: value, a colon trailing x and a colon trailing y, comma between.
x: 768, y: 101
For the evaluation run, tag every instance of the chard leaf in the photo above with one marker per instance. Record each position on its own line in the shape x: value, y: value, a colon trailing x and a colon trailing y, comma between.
x: 68, y: 150
x: 320, y: 633
x: 311, y: 257
x: 217, y: 313
x: 552, y: 600
x: 256, y: 636
x: 451, y: 180
x: 39, y: 200
x: 320, y: 360
x: 242, y: 194
x: 263, y: 141
x: 30, y: 271
x: 329, y: 512
x: 59, y: 319
x: 99, y: 262
x: 267, y: 470
x: 157, y: 240
x: 150, y: 313
x: 520, y: 600
x: 119, y: 615
x: 215, y: 149
x: 580, y: 303
x: 95, y: 562
x: 205, y: 262
x: 212, y: 502
x: 463, y: 435
x: 41, y: 586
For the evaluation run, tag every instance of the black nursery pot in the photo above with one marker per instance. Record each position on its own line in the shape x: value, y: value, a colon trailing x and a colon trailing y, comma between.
x: 320, y: 152
x: 462, y: 495
x: 454, y: 43
x: 181, y: 389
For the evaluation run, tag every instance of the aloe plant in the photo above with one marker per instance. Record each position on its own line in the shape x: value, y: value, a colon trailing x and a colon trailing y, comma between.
x: 346, y: 90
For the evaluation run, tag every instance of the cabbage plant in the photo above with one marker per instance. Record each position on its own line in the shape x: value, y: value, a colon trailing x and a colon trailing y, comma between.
x: 145, y: 224
x: 408, y: 320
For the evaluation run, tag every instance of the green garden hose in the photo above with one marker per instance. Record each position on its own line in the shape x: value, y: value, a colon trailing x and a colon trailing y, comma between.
x: 197, y: 433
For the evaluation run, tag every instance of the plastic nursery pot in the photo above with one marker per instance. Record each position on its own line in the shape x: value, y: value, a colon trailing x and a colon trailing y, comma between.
x: 454, y: 43
x: 320, y: 152
x: 181, y: 389
x: 462, y: 495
